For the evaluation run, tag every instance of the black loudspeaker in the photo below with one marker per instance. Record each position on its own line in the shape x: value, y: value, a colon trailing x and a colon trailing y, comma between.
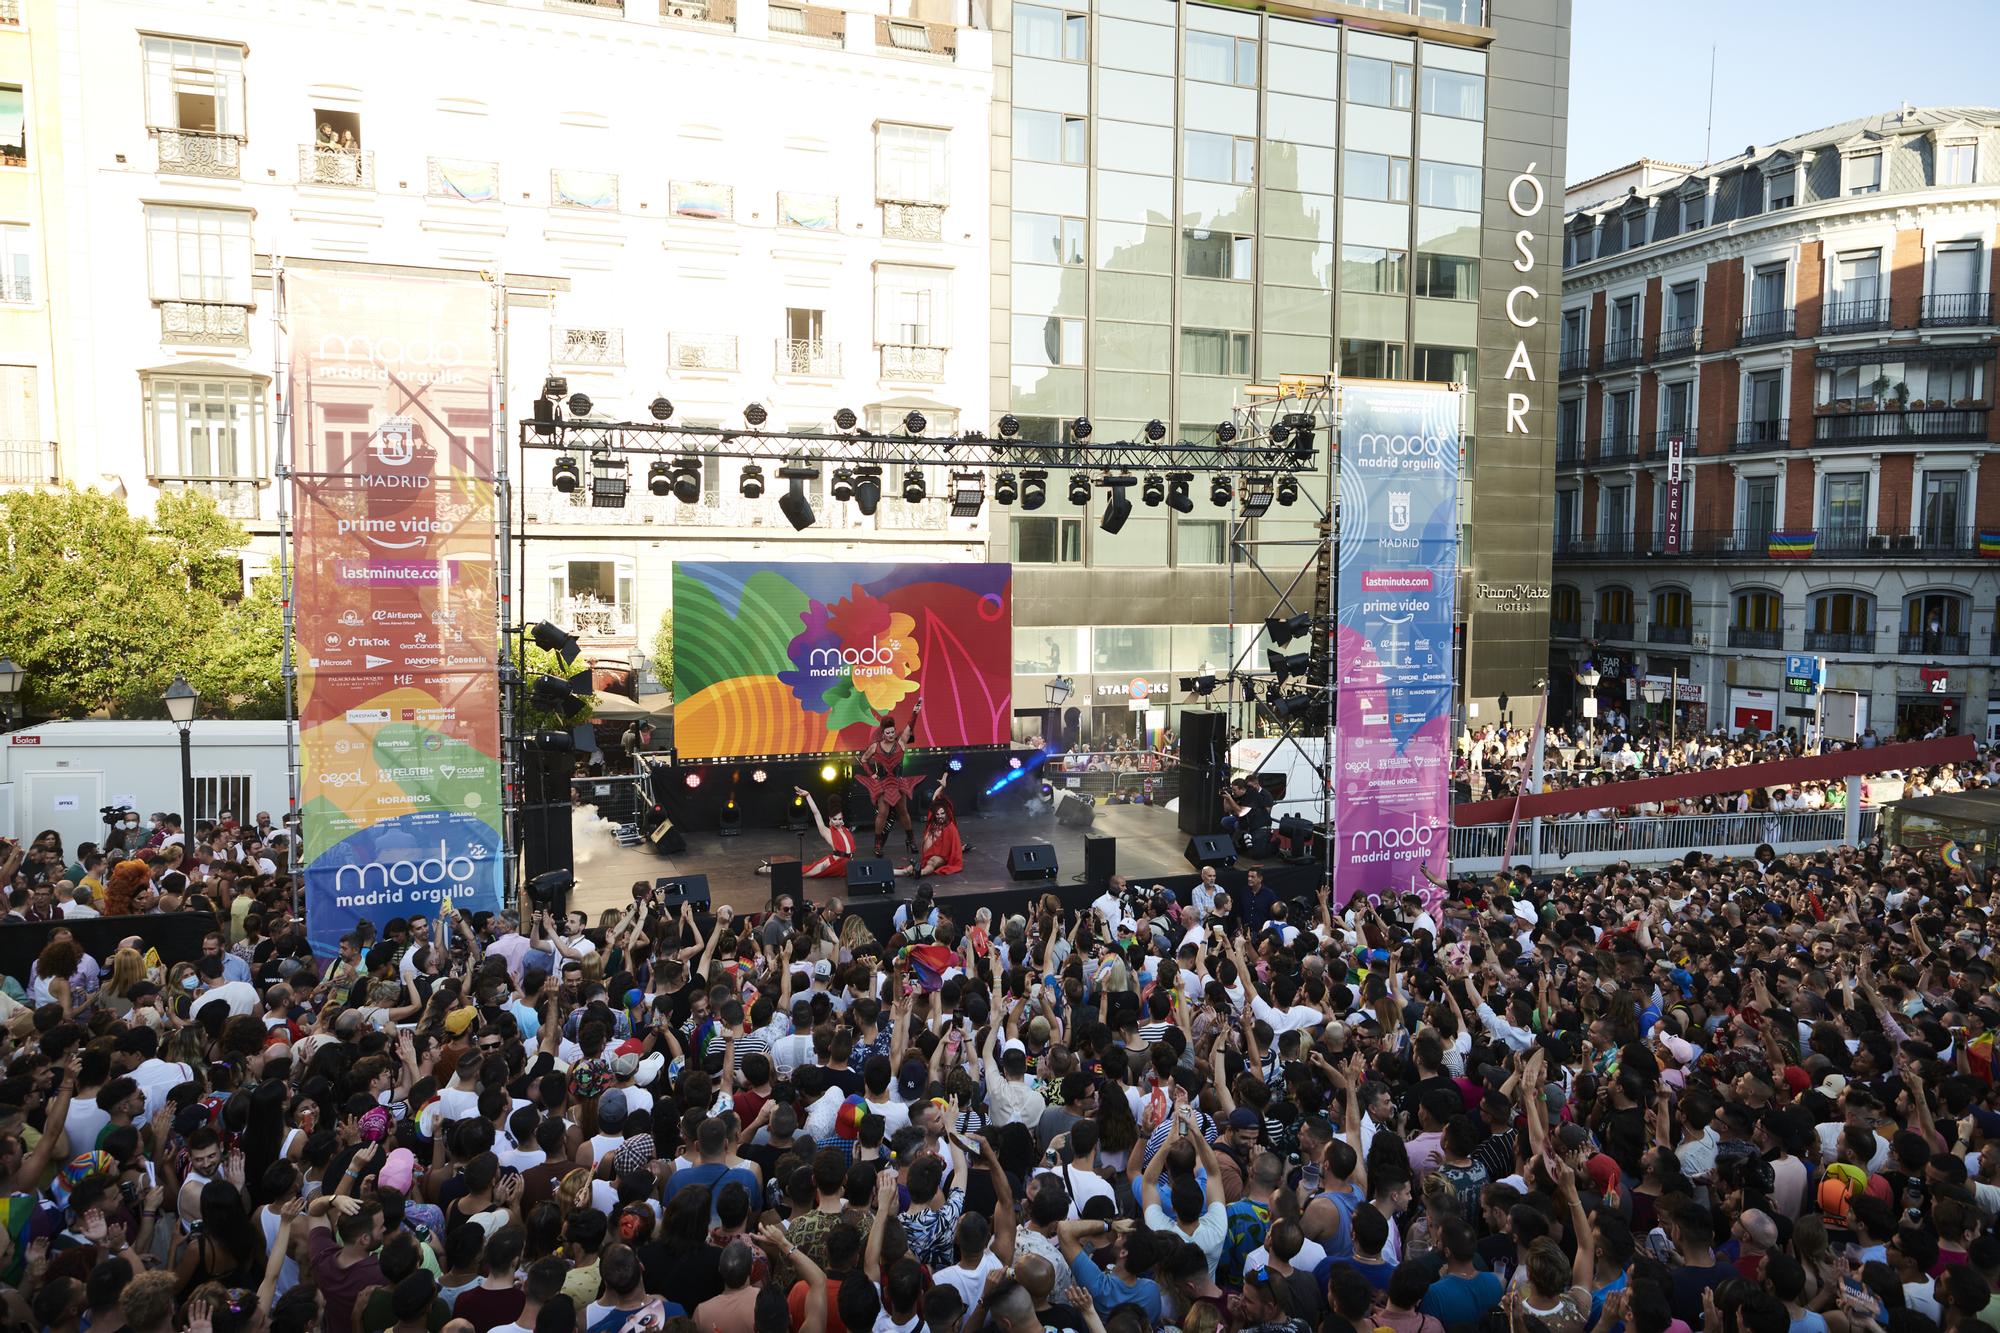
x: 1031, y: 860
x: 1298, y: 833
x: 666, y: 839
x: 1100, y: 860
x: 788, y: 877
x: 870, y: 874
x: 1204, y: 768
x: 677, y: 889
x: 1210, y: 849
x: 545, y: 837
x: 546, y: 774
x: 1075, y: 809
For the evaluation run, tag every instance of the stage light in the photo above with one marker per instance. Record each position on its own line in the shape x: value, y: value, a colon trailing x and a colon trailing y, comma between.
x: 579, y: 404
x: 1288, y: 490
x: 752, y: 484
x: 798, y: 510
x: 1288, y: 664
x: 659, y: 478
x: 1080, y: 429
x: 1153, y: 491
x: 845, y: 418
x: 759, y: 776
x: 1280, y: 432
x: 555, y: 388
x: 1014, y: 762
x: 661, y: 409
x: 565, y: 697
x: 554, y: 639
x: 756, y: 415
x: 913, y: 486
x: 609, y: 481
x: 827, y: 772
x: 956, y: 765
x: 1156, y: 430
x: 1178, y: 486
x: 1010, y: 426
x: 1256, y: 496
x: 692, y: 780
x: 1219, y: 491
x: 1204, y: 684
x: 1119, y: 507
x: 968, y: 494
x: 1079, y: 489
x: 1302, y: 425
x: 687, y: 480
x: 867, y: 488
x: 549, y: 892
x: 1034, y: 488
x: 842, y: 487
x: 1291, y: 706
x: 914, y: 423
x: 566, y: 476
x: 731, y: 825
x: 1006, y: 489
x: 1225, y: 431
x: 1284, y: 629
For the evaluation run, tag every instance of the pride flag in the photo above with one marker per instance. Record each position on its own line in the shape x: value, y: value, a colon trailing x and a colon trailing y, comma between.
x: 1989, y: 544
x: 929, y: 961
x: 1792, y: 545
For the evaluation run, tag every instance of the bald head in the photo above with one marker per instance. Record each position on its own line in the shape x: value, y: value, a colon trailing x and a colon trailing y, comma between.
x: 1012, y: 1308
x: 1268, y: 1171
x: 1033, y: 1272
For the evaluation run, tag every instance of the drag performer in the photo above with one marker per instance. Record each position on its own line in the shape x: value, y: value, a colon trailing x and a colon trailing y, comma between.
x: 890, y: 793
x: 943, y: 853
x: 838, y: 836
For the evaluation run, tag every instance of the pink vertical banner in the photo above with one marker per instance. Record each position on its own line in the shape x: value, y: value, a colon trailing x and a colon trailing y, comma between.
x: 1671, y: 537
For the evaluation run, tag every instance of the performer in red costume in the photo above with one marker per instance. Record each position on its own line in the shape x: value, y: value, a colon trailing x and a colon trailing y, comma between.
x: 838, y: 836
x: 877, y: 772
x: 944, y: 852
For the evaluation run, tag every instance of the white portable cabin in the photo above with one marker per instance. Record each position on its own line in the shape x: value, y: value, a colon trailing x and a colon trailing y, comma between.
x: 61, y: 775
x: 1297, y: 760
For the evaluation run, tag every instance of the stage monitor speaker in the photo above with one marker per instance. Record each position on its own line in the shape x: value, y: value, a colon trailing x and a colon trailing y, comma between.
x: 1075, y: 809
x: 1204, y: 767
x: 1210, y: 849
x: 545, y: 838
x: 677, y: 889
x: 1031, y: 860
x: 788, y: 877
x: 1100, y: 860
x: 1298, y: 833
x: 666, y: 839
x: 870, y: 874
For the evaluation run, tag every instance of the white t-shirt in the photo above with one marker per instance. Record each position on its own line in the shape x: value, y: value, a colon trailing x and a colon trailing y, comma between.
x: 969, y: 1283
x: 239, y: 996
x: 1083, y: 1186
x: 83, y: 1123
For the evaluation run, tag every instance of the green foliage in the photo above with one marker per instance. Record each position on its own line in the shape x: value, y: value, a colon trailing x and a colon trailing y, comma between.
x: 539, y: 662
x: 663, y: 651
x: 101, y: 607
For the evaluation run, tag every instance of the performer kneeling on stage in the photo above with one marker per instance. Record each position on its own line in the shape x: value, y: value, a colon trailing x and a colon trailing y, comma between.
x: 838, y: 836
x: 943, y: 853
x: 877, y: 773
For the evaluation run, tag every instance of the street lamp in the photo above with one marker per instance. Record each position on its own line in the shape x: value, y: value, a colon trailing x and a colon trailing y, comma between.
x: 181, y: 701
x: 10, y: 687
x: 1588, y: 678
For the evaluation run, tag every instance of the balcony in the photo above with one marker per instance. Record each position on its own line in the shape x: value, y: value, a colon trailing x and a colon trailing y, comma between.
x: 701, y: 351
x: 199, y: 153
x: 238, y: 499
x: 912, y: 361
x: 1756, y: 638
x: 1574, y: 360
x: 1617, y: 449
x: 1680, y: 340
x: 1765, y: 326
x: 205, y: 323
x: 16, y: 287
x: 586, y: 347
x: 1669, y: 634
x: 709, y: 13
x: 1948, y: 424
x: 1933, y: 540
x: 1956, y: 310
x: 348, y: 168
x: 10, y: 13
x: 1569, y: 453
x: 588, y: 617
x: 1614, y: 629
x: 1623, y: 352
x: 1565, y: 629
x: 29, y: 462
x: 1657, y: 450
x: 809, y: 24
x: 808, y: 356
x: 912, y: 221
x: 910, y: 37
x: 1855, y: 316
x: 1761, y: 437
x: 1827, y: 641
x: 1934, y: 645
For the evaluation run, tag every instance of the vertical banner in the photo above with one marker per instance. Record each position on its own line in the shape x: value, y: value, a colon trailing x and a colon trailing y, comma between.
x: 1399, y: 469
x: 396, y: 607
x: 1676, y: 448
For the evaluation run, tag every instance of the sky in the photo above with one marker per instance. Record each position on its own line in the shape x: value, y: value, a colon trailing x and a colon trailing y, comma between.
x: 1638, y: 72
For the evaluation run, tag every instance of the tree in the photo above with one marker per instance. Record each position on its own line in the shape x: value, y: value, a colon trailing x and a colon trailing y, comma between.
x: 101, y: 607
x: 663, y: 651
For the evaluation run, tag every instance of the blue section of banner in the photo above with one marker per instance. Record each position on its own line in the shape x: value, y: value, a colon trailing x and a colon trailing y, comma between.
x: 1399, y: 472
x: 406, y: 866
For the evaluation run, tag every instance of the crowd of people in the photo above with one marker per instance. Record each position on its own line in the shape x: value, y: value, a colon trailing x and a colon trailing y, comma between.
x: 1744, y: 1097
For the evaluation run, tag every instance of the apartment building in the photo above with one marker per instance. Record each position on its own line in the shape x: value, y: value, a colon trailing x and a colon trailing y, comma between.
x: 1810, y: 326
x: 29, y: 159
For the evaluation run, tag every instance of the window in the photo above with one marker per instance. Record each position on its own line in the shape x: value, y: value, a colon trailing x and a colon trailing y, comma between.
x: 1614, y: 605
x: 1565, y: 602
x: 1569, y: 425
x: 1618, y: 416
x: 1374, y: 176
x: 1956, y: 271
x: 1044, y: 340
x: 1214, y: 58
x: 1567, y: 510
x: 1048, y: 541
x: 1758, y: 609
x: 1624, y: 321
x: 1861, y: 173
x: 1955, y: 162
x: 1445, y: 365
x: 1440, y: 185
x: 1614, y: 514
x: 13, y: 128
x: 1760, y: 510
x: 596, y: 593
x: 1781, y: 189
x: 910, y: 305
x: 203, y: 429
x: 1683, y: 305
x: 1044, y: 238
x: 1448, y: 277
x: 1934, y: 613
x: 1676, y: 408
x: 194, y: 86
x: 1843, y: 613
x: 1369, y: 359
x: 1694, y: 211
x: 1767, y: 396
x: 1672, y: 608
x: 1051, y: 34
x: 1860, y: 275
x: 1573, y: 331
x: 332, y: 129
x: 1371, y: 268
x: 1218, y: 254
x: 1130, y: 648
x: 1844, y: 500
x: 1050, y: 136
x: 1373, y: 82
x: 910, y: 165
x: 1219, y: 157
x: 1944, y: 510
x: 16, y: 280
x: 1215, y: 352
x: 1199, y: 541
x: 1450, y: 93
x: 1767, y: 289
x: 199, y: 254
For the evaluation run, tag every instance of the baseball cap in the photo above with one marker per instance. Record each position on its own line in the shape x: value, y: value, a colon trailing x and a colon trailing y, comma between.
x: 911, y: 1078
x: 823, y: 970
x: 1242, y: 1118
x: 611, y: 1109
x: 1833, y: 1085
x: 625, y: 1066
x: 458, y: 1020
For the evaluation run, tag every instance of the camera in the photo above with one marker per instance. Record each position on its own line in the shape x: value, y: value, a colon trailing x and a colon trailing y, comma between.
x: 116, y: 814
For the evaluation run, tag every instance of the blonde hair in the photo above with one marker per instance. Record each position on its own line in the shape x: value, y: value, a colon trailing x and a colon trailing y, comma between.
x: 128, y: 969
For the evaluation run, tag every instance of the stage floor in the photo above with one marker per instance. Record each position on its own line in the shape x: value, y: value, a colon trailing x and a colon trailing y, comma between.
x: 1150, y: 846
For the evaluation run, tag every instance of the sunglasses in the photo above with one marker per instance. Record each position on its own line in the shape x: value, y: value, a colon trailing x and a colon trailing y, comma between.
x: 489, y: 1045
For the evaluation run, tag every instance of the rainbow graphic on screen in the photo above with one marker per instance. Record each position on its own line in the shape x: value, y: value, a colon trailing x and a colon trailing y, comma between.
x: 789, y: 658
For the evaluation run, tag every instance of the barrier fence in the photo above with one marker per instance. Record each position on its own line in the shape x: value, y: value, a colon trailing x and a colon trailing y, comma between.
x: 1477, y: 848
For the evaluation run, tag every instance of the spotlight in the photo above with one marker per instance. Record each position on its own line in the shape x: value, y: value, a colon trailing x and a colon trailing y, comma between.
x: 968, y: 494
x: 1219, y: 491
x: 1014, y: 762
x: 957, y: 764
x: 1080, y: 429
x: 867, y: 488
x: 1119, y: 507
x: 914, y: 423
x: 755, y: 414
x: 662, y: 409
x: 1302, y: 425
x: 1280, y: 432
x: 1156, y: 430
x: 555, y: 388
x: 564, y: 696
x: 1005, y: 489
x: 1204, y: 684
x: 827, y: 772
x: 1284, y: 629
x: 1289, y: 707
x: 798, y: 510
x: 1079, y: 489
x: 1153, y: 491
x: 1225, y: 431
x: 566, y: 476
x: 555, y: 639
x: 1288, y: 490
x: 550, y: 891
x: 1178, y: 486
x: 842, y: 488
x: 759, y: 776
x: 845, y: 418
x: 659, y: 478
x: 752, y: 484
x: 913, y: 486
x: 687, y: 480
x: 609, y: 481
x: 1288, y: 664
x: 1034, y: 488
x: 693, y: 780
x: 1010, y: 426
x: 579, y: 404
x: 1256, y: 496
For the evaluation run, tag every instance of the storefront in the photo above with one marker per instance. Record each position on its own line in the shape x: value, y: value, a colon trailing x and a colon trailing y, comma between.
x: 1674, y: 702
x: 1752, y: 710
x: 1097, y: 672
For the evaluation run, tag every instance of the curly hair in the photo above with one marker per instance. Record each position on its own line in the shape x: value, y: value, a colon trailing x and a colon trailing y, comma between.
x: 58, y: 960
x: 127, y: 878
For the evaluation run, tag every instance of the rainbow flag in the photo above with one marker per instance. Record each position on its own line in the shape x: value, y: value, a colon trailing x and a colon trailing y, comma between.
x: 929, y: 962
x: 1989, y: 544
x: 1954, y: 855
x: 1792, y: 545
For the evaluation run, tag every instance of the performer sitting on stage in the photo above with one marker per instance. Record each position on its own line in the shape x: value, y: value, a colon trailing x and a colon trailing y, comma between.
x: 877, y: 773
x: 944, y: 853
x: 838, y: 836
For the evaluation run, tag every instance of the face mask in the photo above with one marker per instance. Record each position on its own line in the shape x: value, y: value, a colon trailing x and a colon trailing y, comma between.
x: 188, y: 982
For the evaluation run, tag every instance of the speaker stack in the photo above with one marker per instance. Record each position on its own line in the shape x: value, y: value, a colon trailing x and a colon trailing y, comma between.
x: 1204, y: 768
